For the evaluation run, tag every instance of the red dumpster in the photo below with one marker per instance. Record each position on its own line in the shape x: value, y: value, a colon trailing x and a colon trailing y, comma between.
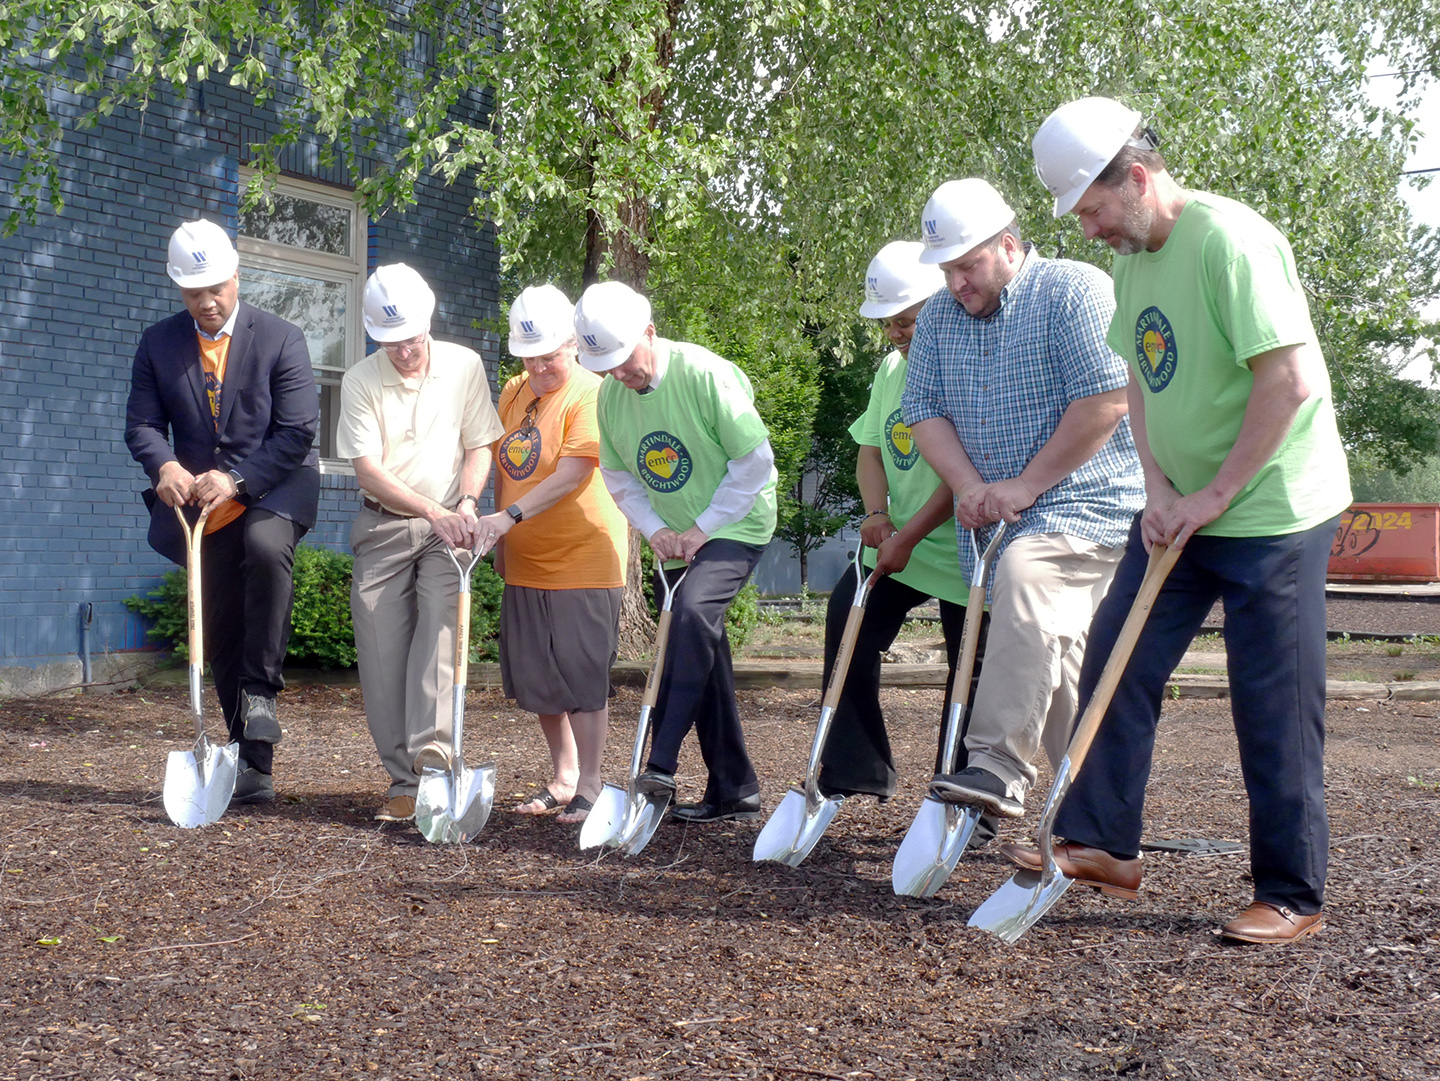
x: 1387, y: 542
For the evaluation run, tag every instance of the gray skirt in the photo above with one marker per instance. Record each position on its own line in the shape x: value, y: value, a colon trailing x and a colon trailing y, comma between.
x: 557, y: 647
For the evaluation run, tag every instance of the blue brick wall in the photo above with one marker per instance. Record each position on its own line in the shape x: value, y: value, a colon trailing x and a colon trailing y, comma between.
x: 78, y: 288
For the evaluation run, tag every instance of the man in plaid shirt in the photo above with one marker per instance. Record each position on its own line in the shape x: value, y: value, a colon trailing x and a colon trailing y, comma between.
x: 1019, y: 404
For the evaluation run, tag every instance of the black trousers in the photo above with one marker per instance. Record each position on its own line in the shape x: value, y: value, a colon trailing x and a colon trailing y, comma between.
x: 248, y: 588
x: 857, y: 757
x: 1273, y: 590
x: 697, y: 688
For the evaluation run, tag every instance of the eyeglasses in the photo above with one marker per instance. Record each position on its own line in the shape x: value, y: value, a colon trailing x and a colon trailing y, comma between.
x: 408, y: 346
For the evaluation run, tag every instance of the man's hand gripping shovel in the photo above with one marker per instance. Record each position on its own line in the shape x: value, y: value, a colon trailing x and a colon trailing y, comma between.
x: 1017, y: 905
x: 623, y: 818
x: 937, y: 838
x: 803, y: 815
x: 198, y: 782
x: 452, y: 805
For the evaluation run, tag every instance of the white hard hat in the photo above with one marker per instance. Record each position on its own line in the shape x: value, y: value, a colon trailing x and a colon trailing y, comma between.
x: 1075, y: 144
x: 397, y: 304
x: 201, y: 255
x: 960, y: 216
x: 610, y: 320
x: 896, y: 279
x: 542, y: 319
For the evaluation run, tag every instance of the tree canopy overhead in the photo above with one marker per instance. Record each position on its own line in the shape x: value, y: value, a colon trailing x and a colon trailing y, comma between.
x: 745, y: 159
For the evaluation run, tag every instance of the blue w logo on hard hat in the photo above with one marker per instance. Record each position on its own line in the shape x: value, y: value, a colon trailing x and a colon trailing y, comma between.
x: 591, y: 342
x: 528, y: 326
x: 391, y: 311
x: 932, y: 226
x: 873, y: 284
x: 199, y: 257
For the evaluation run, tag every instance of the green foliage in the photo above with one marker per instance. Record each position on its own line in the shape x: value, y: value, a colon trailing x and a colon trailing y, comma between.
x: 165, y: 607
x: 1373, y: 483
x: 486, y: 590
x: 745, y: 160
x: 743, y: 616
x: 322, y: 634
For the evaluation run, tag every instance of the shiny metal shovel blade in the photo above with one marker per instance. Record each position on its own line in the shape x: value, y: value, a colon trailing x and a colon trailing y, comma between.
x: 1016, y: 906
x: 932, y: 847
x: 452, y: 806
x: 622, y: 820
x: 602, y: 824
x: 794, y: 828
x: 197, y: 790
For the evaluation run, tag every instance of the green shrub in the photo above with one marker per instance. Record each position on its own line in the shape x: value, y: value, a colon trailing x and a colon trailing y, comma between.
x: 322, y: 634
x: 165, y: 607
x: 741, y: 617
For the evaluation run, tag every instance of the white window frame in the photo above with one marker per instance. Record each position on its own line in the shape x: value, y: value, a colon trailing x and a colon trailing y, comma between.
x: 349, y: 271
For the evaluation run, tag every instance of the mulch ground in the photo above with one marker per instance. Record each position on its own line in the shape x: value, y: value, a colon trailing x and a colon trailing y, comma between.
x: 303, y: 940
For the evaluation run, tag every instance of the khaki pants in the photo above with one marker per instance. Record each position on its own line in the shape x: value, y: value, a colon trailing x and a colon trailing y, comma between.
x: 1046, y: 589
x: 402, y: 604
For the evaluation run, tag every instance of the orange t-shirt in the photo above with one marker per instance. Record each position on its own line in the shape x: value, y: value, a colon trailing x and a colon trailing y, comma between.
x: 582, y: 542
x: 213, y: 355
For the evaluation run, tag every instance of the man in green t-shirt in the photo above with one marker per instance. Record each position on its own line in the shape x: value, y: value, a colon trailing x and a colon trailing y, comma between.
x: 910, y: 531
x: 1234, y: 423
x: 688, y: 461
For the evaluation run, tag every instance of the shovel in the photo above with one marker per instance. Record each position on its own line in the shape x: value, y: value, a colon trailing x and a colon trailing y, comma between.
x: 452, y: 805
x: 623, y: 818
x: 794, y: 829
x: 1012, y: 909
x: 937, y: 838
x: 198, y: 782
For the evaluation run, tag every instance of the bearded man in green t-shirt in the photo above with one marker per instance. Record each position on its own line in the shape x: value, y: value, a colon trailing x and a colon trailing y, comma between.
x: 1233, y: 419
x: 688, y: 461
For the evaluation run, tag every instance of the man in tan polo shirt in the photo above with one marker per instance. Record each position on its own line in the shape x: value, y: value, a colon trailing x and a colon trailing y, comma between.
x: 417, y: 421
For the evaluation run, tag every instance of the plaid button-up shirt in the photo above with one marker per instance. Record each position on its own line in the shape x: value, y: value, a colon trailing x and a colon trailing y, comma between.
x: 1005, y: 381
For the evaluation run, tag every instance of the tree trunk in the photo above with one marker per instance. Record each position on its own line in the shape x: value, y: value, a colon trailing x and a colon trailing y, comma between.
x: 632, y: 266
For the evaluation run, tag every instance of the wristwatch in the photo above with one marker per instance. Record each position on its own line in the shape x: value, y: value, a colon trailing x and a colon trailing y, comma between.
x: 239, y: 482
x: 515, y: 512
x: 473, y: 499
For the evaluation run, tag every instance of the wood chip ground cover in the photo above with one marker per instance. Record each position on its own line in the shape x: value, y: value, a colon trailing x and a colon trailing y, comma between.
x: 303, y: 940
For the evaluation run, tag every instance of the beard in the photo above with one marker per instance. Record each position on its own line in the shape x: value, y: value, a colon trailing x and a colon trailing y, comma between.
x: 1133, y: 235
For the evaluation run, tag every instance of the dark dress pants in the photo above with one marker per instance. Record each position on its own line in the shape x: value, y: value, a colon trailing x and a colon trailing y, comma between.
x: 857, y: 757
x: 1273, y: 592
x: 248, y: 589
x: 697, y: 688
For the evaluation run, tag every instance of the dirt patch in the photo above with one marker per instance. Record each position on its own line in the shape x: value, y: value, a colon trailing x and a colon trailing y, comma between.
x: 303, y: 940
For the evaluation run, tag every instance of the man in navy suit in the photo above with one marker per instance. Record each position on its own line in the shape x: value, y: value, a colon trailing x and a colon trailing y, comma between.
x: 222, y: 415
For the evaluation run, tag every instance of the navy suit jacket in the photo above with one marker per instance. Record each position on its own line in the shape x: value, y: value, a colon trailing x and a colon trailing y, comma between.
x: 269, y: 410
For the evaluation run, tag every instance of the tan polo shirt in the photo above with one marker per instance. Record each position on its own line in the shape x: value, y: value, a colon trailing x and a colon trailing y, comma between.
x: 419, y: 428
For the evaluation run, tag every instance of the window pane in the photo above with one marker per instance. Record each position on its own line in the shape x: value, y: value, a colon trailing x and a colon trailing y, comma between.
x: 299, y: 223
x: 316, y: 306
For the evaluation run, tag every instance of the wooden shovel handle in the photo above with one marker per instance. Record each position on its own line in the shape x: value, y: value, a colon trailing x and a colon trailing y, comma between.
x: 1162, y: 559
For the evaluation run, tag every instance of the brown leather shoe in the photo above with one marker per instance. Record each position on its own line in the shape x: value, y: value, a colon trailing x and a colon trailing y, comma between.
x: 1264, y: 922
x: 396, y: 809
x: 1088, y: 866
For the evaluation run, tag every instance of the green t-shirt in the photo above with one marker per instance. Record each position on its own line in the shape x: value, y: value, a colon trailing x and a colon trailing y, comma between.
x: 1188, y: 318
x: 679, y: 439
x: 934, y: 566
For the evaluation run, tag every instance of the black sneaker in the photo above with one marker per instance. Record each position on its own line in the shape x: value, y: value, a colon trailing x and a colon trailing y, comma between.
x: 977, y: 787
x: 655, y: 783
x: 261, y: 724
x: 252, y: 786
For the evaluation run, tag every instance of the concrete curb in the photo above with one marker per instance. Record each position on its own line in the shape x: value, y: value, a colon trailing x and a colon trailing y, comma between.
x: 758, y: 675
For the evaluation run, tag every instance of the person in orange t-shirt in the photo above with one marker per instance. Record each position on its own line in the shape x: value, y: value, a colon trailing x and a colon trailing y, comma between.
x: 561, y: 545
